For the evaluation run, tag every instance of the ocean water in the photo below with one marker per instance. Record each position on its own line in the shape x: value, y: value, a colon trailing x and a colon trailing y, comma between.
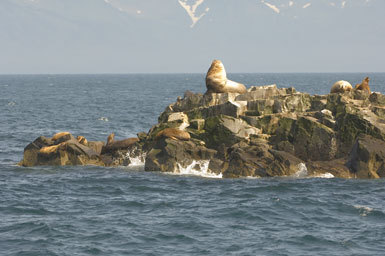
x: 126, y: 211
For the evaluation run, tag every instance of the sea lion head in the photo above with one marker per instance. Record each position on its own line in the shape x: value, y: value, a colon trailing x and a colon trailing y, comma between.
x: 110, y: 138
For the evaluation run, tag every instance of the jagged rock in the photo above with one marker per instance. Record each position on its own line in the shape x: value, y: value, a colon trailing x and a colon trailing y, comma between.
x: 367, y: 158
x: 169, y: 155
x: 336, y: 167
x: 96, y: 146
x: 227, y: 130
x: 68, y: 152
x: 377, y: 98
x: 313, y: 140
x: 197, y: 124
x: 260, y: 161
x: 230, y: 108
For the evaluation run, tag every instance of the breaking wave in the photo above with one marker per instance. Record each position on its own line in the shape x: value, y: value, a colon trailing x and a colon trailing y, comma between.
x: 136, y: 160
x: 302, y: 171
x: 197, y: 168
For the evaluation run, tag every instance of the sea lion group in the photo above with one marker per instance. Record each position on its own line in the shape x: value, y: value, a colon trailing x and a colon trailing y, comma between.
x: 216, y: 82
x: 344, y: 86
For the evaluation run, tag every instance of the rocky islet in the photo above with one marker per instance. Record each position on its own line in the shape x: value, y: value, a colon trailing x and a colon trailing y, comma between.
x: 265, y: 132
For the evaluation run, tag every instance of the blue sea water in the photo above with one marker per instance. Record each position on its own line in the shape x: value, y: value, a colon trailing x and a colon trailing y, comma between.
x: 126, y: 211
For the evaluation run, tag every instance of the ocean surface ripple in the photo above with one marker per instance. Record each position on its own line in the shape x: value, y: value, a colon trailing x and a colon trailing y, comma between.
x: 126, y: 211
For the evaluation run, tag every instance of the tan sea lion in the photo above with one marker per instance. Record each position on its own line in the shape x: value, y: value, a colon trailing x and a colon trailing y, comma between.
x: 364, y: 86
x: 50, y: 149
x: 341, y: 86
x: 217, y: 82
x: 82, y: 140
x: 174, y: 134
x: 59, y: 135
x: 110, y: 138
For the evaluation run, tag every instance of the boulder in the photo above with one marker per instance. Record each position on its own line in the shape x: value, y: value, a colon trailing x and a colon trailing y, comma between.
x: 367, y: 158
x: 69, y: 152
x: 260, y: 161
x: 169, y: 155
x: 226, y: 130
x: 313, y: 140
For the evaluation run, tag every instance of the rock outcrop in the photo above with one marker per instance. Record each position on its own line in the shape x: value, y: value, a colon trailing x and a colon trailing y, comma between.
x: 268, y: 132
x: 263, y: 132
x: 64, y: 149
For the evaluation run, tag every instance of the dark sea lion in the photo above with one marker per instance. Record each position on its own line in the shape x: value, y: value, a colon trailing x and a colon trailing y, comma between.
x: 341, y: 87
x: 217, y: 82
x: 364, y: 86
x: 113, y: 145
x: 174, y: 134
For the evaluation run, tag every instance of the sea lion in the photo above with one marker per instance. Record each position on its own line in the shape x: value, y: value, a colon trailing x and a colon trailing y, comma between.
x: 364, y: 86
x: 341, y: 87
x: 82, y: 140
x: 110, y: 138
x: 50, y: 149
x: 113, y: 145
x: 217, y: 82
x: 174, y: 134
x: 59, y: 135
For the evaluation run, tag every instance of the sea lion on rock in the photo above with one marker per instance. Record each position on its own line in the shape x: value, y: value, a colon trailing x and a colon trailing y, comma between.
x: 364, y: 86
x: 217, y: 82
x: 82, y: 140
x: 341, y: 87
x: 50, y: 149
x: 110, y: 138
x: 113, y: 145
x: 59, y: 135
x: 174, y: 134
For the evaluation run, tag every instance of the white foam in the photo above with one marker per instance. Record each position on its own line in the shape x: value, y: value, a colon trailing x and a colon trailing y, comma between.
x: 136, y: 161
x: 105, y: 119
x: 302, y: 171
x: 363, y: 210
x: 197, y: 168
x: 326, y: 175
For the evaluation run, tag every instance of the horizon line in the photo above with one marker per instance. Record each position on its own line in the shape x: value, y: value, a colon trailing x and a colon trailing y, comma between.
x: 193, y: 73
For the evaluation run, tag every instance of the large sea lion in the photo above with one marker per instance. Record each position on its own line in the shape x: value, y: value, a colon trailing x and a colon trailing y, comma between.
x: 364, y: 86
x: 341, y: 86
x: 217, y: 82
x: 173, y: 133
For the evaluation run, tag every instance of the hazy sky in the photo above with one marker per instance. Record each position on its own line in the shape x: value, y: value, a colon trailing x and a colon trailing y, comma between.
x: 156, y: 36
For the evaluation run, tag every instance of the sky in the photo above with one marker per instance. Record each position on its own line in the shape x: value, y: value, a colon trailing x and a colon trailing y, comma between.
x: 184, y: 36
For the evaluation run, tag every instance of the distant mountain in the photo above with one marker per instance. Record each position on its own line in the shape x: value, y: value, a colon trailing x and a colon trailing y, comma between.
x: 60, y: 36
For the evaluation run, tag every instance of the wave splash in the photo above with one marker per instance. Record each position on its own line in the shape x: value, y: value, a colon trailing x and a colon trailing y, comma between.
x: 302, y: 171
x: 138, y: 160
x: 197, y: 168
